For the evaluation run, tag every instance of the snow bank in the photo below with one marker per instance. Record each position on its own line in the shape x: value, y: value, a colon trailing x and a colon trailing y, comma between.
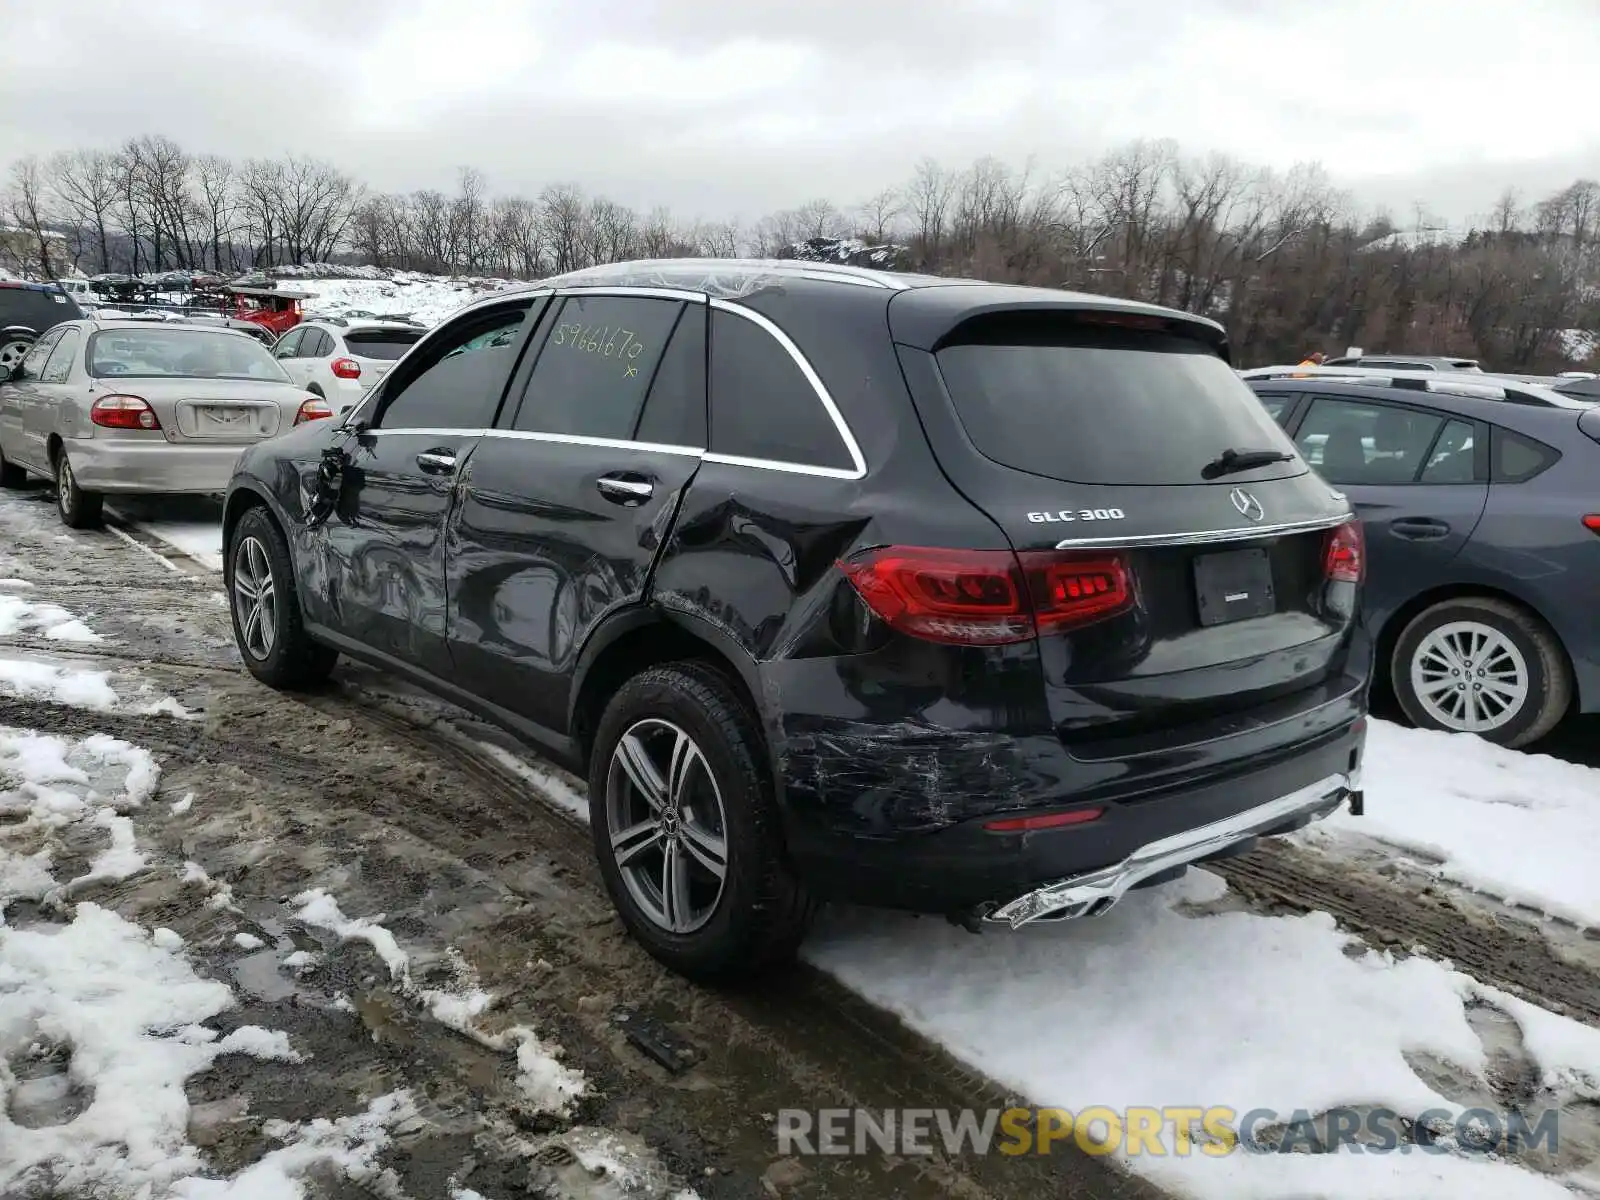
x: 30, y: 680
x: 52, y: 621
x: 1520, y: 827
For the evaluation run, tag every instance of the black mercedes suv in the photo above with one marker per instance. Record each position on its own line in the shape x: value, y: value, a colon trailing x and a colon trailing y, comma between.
x: 979, y: 600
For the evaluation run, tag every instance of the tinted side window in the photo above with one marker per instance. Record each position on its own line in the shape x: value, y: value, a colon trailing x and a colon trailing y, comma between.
x: 459, y: 377
x: 762, y: 405
x: 33, y: 362
x: 596, y: 365
x: 310, y: 345
x: 1362, y: 442
x: 289, y: 345
x: 1451, y: 459
x: 675, y: 411
x: 59, y: 366
x: 1514, y: 458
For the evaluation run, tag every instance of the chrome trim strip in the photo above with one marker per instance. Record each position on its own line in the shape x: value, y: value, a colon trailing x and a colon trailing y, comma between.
x: 783, y: 339
x: 767, y: 464
x: 1207, y: 536
x: 1090, y: 894
x: 576, y: 439
x: 610, y: 289
x: 431, y: 432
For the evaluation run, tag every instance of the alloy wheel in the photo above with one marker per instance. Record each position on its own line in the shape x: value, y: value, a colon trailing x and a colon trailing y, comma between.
x: 667, y: 825
x: 1470, y: 677
x: 255, y: 598
x: 11, y: 353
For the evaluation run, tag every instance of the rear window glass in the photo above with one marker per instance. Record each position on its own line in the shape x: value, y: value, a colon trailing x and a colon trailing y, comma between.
x: 1100, y: 405
x: 36, y: 308
x: 180, y: 353
x: 387, y: 344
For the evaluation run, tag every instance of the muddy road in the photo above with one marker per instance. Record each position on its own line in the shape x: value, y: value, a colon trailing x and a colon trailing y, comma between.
x: 416, y: 817
x: 467, y: 854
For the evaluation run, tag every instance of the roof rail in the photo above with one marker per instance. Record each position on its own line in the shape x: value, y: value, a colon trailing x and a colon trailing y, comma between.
x: 1449, y: 383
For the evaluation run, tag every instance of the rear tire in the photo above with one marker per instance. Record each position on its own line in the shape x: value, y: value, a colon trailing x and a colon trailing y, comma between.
x: 1519, y: 680
x: 756, y: 915
x: 78, y: 509
x: 268, y: 628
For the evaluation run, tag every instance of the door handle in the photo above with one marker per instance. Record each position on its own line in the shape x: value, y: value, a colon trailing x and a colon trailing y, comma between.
x: 1420, y: 529
x: 624, y: 490
x: 437, y: 461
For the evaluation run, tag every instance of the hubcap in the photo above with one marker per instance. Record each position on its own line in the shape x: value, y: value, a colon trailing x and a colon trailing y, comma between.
x: 668, y: 831
x: 64, y: 484
x: 255, y: 598
x: 12, y: 353
x: 1470, y: 677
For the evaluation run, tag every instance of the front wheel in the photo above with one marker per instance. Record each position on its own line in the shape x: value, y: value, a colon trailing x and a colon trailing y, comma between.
x: 78, y: 509
x: 1481, y: 665
x: 686, y: 830
x: 267, y: 623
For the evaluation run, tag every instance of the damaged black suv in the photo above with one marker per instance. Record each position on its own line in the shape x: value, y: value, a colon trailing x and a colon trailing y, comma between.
x: 986, y: 601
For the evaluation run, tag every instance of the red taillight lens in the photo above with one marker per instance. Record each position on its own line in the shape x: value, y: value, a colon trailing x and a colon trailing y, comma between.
x: 1070, y: 590
x: 1592, y: 522
x: 123, y: 412
x: 313, y: 410
x: 986, y: 597
x: 1080, y: 816
x: 347, y: 368
x: 1345, y: 560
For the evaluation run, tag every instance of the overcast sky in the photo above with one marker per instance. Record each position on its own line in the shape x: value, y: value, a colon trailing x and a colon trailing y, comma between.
x: 732, y: 108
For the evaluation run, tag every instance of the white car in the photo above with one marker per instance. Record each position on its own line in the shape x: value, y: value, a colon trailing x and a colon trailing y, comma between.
x: 340, y: 359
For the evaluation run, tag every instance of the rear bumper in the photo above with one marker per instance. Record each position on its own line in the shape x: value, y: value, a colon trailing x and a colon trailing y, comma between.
x: 158, y: 467
x: 964, y: 866
x: 1090, y: 894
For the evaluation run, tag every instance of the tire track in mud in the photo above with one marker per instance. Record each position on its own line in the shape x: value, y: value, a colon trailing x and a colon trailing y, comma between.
x: 797, y: 1040
x: 1507, y: 953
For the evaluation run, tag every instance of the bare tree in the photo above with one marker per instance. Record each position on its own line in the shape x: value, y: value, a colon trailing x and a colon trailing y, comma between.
x: 26, y: 201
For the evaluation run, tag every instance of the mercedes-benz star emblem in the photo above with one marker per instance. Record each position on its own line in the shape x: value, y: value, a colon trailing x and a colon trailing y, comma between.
x: 1247, y: 504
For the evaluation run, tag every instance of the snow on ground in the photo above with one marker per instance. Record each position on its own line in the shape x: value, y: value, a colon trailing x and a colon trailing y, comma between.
x: 1155, y: 1004
x: 1457, y: 798
x: 200, y: 540
x: 22, y: 616
x: 101, y: 1020
x: 427, y: 299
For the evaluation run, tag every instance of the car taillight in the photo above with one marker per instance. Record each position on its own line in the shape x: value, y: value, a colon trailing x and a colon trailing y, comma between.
x: 1591, y: 522
x: 313, y: 409
x: 347, y: 368
x: 1345, y: 559
x: 123, y: 412
x: 987, y: 597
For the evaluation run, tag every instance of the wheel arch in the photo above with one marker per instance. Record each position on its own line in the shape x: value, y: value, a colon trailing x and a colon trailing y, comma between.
x: 644, y: 637
x: 1395, y: 625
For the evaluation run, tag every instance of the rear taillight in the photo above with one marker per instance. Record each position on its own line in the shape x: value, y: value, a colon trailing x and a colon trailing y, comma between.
x: 313, y: 409
x: 1345, y: 558
x: 987, y: 597
x: 123, y: 412
x: 347, y: 368
x: 1592, y: 522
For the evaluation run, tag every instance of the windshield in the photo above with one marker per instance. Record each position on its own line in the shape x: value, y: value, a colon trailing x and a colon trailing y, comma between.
x: 1099, y: 405
x: 180, y: 353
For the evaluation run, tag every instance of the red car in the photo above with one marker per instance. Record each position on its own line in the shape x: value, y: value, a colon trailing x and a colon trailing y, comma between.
x: 278, y: 311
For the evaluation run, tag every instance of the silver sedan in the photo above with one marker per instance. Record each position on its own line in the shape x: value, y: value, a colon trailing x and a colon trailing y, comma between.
x: 103, y: 407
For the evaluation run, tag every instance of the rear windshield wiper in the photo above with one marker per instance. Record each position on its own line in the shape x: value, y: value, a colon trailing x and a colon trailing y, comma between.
x: 1231, y: 461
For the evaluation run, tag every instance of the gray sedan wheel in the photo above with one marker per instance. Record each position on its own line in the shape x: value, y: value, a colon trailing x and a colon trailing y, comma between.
x: 78, y: 509
x: 1481, y: 665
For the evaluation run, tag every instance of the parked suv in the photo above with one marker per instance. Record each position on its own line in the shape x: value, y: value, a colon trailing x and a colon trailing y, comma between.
x: 986, y: 601
x: 26, y: 311
x: 340, y: 360
x: 1484, y: 535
